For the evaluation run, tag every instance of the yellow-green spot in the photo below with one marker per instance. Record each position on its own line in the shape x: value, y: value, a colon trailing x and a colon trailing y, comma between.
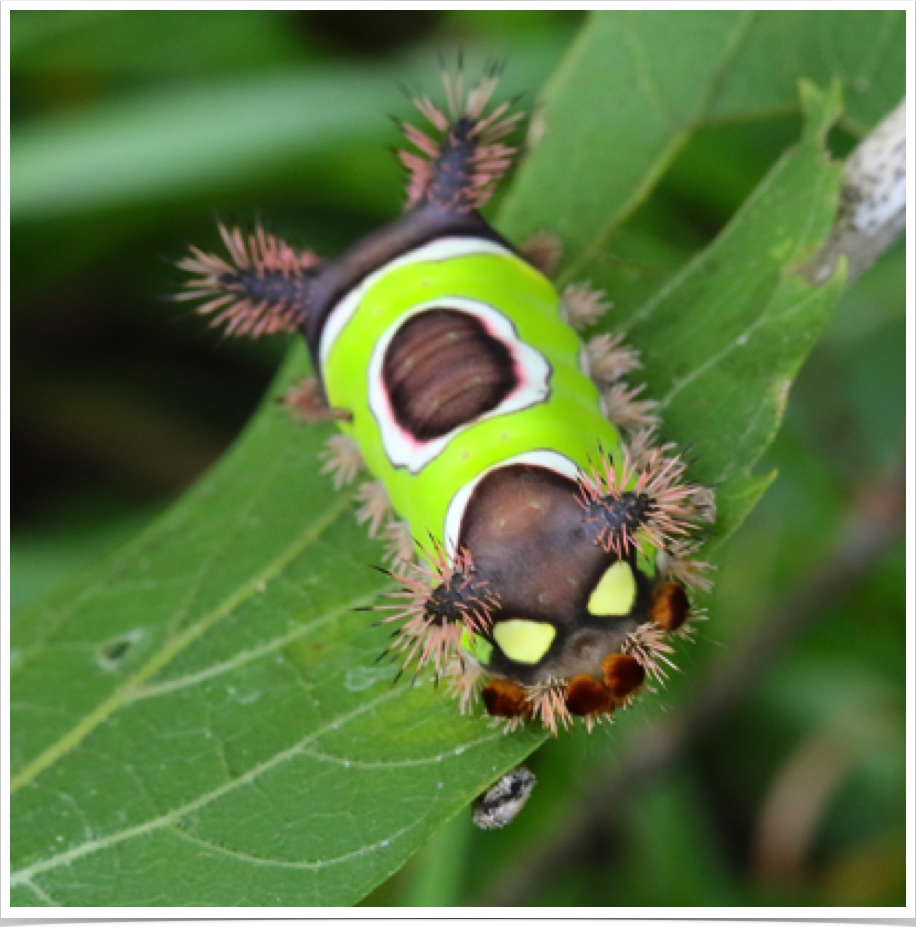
x: 524, y: 641
x: 615, y: 592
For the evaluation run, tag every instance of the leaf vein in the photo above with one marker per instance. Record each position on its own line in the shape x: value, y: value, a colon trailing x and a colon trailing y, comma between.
x: 171, y: 817
x: 42, y: 895
x: 173, y: 646
x: 246, y: 656
x: 666, y: 155
x: 396, y: 764
x: 290, y: 864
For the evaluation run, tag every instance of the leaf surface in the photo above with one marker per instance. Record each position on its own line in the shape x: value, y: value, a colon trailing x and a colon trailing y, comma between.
x: 637, y: 85
x: 198, y: 720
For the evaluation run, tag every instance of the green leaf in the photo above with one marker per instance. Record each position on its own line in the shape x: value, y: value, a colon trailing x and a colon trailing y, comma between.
x: 743, y: 308
x: 199, y: 719
x: 104, y: 42
x: 225, y: 714
x: 166, y: 143
x: 637, y: 85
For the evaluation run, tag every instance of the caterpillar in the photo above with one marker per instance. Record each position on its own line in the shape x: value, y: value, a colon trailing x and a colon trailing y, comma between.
x: 541, y: 538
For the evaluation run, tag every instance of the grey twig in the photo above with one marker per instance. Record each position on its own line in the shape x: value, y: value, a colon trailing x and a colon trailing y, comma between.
x: 873, y: 202
x: 871, y: 528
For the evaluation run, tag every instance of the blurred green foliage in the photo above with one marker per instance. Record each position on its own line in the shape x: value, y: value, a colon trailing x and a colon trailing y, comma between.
x: 121, y: 402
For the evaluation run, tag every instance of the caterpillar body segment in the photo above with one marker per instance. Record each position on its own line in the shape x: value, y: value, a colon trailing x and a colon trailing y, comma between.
x: 552, y: 536
x: 442, y: 387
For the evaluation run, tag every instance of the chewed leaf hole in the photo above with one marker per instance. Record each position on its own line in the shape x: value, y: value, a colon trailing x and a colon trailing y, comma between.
x: 112, y: 653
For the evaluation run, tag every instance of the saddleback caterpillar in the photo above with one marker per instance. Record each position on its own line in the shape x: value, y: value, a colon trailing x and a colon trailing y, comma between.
x: 540, y: 535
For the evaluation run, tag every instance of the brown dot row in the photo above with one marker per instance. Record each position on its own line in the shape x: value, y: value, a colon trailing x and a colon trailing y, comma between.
x: 585, y: 695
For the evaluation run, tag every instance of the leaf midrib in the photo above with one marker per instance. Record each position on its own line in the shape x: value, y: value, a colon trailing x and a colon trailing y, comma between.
x: 663, y: 161
x: 171, y: 818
